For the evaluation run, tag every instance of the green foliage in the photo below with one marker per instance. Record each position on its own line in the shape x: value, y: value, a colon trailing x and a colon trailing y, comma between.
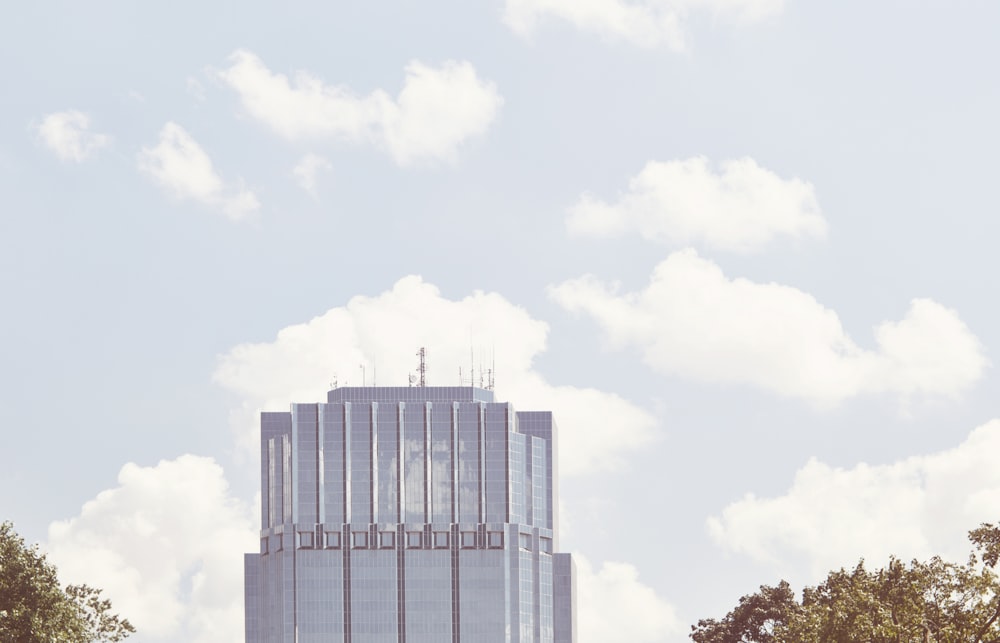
x: 923, y: 602
x: 35, y: 608
x: 756, y: 618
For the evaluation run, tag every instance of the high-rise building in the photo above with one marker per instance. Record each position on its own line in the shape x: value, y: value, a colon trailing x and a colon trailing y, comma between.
x: 409, y: 514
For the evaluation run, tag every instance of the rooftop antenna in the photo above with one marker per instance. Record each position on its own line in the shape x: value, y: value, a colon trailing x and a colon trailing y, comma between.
x: 491, y: 382
x: 412, y: 378
x: 422, y: 353
x: 364, y: 381
x: 333, y: 384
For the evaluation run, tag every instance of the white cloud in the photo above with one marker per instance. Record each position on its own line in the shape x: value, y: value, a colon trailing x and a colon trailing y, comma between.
x: 307, y: 170
x: 692, y: 321
x: 180, y: 166
x: 646, y: 23
x: 438, y: 109
x: 831, y: 517
x: 614, y: 605
x: 68, y: 135
x: 384, y: 333
x: 740, y: 208
x: 166, y: 546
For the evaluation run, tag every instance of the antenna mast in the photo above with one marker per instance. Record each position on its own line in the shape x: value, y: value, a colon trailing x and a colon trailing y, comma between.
x: 422, y: 353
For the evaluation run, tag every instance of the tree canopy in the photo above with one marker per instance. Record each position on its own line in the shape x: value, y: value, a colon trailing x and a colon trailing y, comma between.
x: 35, y: 608
x: 920, y: 602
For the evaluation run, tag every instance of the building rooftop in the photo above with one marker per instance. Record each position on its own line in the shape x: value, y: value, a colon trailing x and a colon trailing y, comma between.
x: 409, y: 394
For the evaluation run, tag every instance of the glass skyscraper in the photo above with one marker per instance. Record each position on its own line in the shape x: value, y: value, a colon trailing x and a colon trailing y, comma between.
x: 409, y: 514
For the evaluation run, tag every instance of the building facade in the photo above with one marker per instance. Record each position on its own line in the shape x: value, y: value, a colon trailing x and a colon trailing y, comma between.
x: 409, y: 515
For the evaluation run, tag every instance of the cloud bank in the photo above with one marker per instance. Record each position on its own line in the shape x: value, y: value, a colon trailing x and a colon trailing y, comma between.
x: 646, y: 23
x: 693, y: 321
x: 166, y: 546
x: 831, y: 517
x: 179, y: 165
x: 68, y: 135
x: 437, y: 111
x: 384, y: 332
x: 614, y: 605
x: 740, y: 208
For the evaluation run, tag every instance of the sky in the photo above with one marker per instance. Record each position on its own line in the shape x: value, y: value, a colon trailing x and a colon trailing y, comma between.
x: 741, y: 248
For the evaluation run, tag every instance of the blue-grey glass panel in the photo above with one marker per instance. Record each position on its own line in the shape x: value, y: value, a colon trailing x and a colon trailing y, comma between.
x: 468, y: 463
x: 539, y: 424
x: 441, y: 463
x: 427, y: 595
x: 386, y: 462
x: 540, y: 511
x: 286, y: 478
x: 251, y: 597
x: 564, y: 599
x: 519, y: 479
x: 272, y: 498
x: 272, y: 425
x: 483, y: 588
x: 526, y: 586
x: 333, y: 463
x: 543, y: 590
x: 277, y: 597
x: 319, y: 596
x: 305, y: 460
x: 413, y: 463
x: 495, y: 460
x: 361, y: 464
x: 373, y: 596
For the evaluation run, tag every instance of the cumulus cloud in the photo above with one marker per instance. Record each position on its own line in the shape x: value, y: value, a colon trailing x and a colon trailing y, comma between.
x: 307, y: 170
x: 646, y: 23
x: 740, y: 208
x: 68, y: 135
x: 693, y: 321
x: 384, y: 332
x: 437, y: 111
x: 831, y: 517
x: 181, y: 167
x: 166, y: 547
x: 614, y: 605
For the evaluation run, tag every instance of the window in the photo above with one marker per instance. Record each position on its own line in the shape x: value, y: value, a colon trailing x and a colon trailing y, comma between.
x: 263, y: 545
x: 545, y: 545
x: 332, y: 540
x: 494, y: 539
x: 387, y: 539
x: 307, y: 540
x: 524, y: 540
x: 468, y: 540
x: 414, y: 539
x: 359, y: 539
x: 441, y: 540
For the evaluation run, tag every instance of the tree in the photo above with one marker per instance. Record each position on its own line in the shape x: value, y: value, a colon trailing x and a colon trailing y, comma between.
x: 35, y: 608
x: 923, y: 602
